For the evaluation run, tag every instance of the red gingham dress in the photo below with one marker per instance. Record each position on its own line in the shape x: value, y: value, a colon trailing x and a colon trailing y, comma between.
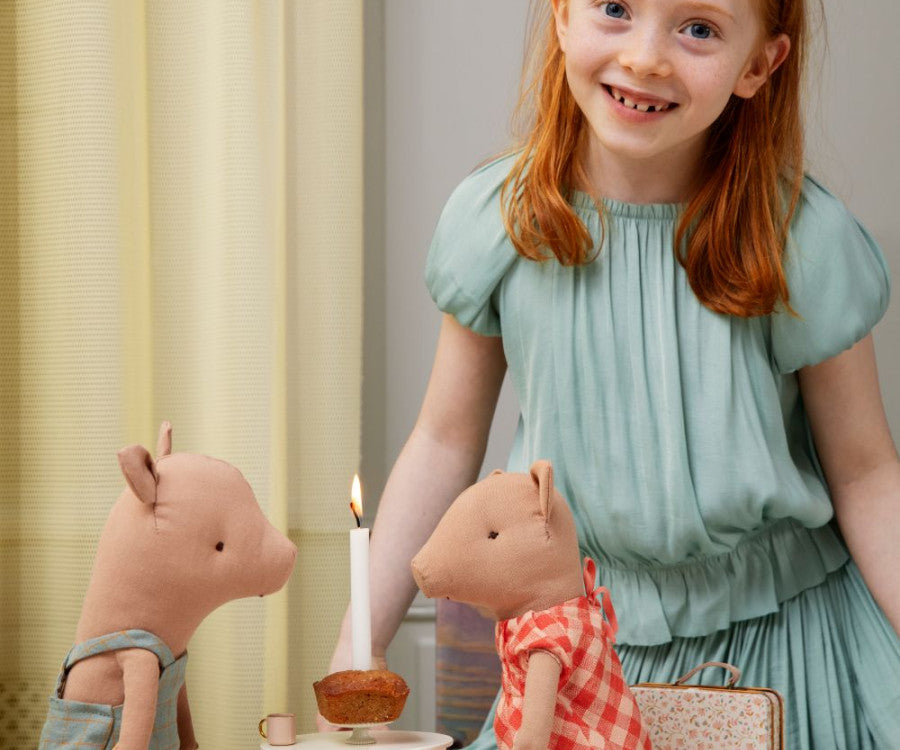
x: 594, y: 707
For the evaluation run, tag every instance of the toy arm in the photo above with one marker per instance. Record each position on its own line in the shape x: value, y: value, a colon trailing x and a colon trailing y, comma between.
x: 185, y: 725
x: 140, y: 676
x: 541, y: 686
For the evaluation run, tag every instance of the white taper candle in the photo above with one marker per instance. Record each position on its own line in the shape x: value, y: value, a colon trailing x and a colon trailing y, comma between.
x: 360, y: 609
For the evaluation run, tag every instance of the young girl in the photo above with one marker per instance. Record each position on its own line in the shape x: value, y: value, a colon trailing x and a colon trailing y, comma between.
x: 686, y: 319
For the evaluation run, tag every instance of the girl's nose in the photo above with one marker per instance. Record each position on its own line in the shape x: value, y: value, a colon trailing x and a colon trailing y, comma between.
x: 644, y: 54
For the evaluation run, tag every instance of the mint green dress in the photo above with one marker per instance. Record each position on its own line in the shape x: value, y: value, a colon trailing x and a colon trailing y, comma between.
x: 679, y: 438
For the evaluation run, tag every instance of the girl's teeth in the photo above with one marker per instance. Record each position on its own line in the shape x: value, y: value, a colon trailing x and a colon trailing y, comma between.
x: 622, y: 99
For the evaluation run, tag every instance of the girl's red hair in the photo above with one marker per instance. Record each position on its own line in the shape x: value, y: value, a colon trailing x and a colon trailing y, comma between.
x: 732, y: 234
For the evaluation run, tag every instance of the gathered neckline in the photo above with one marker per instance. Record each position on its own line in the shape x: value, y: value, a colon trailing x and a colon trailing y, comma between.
x: 658, y: 211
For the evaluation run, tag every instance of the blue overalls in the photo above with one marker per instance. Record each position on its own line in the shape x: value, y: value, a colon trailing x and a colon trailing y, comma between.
x: 72, y: 724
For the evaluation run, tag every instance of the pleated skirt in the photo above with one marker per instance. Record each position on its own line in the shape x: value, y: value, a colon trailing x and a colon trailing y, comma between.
x: 829, y: 651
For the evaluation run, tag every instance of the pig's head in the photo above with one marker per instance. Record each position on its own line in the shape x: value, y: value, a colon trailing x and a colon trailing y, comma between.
x: 506, y: 545
x: 186, y: 536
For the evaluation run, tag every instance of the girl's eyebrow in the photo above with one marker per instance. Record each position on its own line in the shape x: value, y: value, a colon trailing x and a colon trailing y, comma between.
x: 701, y: 7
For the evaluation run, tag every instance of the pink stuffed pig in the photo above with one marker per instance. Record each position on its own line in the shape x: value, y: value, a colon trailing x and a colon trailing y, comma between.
x: 186, y: 536
x: 508, y: 546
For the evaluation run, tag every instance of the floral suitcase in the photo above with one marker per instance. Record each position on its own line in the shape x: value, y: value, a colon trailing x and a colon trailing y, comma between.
x: 700, y: 717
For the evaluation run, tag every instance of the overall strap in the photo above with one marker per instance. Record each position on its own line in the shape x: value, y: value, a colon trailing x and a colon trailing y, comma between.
x: 599, y: 597
x: 114, y: 642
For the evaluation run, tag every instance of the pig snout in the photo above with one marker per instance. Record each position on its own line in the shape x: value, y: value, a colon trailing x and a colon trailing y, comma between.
x: 278, y: 560
x: 426, y: 576
x: 419, y: 575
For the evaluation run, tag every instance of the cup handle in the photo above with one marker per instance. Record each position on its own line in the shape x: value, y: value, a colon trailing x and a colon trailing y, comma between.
x: 262, y: 732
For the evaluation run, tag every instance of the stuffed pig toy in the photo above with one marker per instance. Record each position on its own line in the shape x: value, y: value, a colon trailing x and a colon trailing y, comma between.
x: 186, y: 536
x: 508, y: 546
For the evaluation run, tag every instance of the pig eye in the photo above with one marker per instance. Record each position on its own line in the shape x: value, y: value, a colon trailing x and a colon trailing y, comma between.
x: 220, y: 546
x: 493, y: 535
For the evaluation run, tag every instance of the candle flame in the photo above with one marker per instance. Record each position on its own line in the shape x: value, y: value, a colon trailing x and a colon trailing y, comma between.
x: 356, y: 499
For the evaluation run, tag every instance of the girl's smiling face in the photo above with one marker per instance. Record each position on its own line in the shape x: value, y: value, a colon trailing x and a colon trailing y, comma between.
x: 651, y: 76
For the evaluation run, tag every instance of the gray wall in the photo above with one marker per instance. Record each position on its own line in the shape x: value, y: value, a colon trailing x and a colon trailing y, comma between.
x: 443, y: 77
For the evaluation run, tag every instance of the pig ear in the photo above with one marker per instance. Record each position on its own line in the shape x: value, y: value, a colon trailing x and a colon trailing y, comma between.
x: 164, y: 441
x: 542, y: 473
x: 139, y: 471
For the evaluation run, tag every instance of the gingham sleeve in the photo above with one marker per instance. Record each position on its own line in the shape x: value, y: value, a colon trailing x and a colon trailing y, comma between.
x: 541, y: 631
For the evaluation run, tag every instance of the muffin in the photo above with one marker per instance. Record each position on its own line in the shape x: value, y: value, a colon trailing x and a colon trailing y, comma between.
x: 354, y: 696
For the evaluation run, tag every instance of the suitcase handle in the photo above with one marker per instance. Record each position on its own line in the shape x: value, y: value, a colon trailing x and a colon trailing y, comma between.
x: 732, y: 681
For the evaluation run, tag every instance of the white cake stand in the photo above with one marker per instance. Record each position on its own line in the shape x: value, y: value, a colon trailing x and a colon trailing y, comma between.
x: 387, y: 739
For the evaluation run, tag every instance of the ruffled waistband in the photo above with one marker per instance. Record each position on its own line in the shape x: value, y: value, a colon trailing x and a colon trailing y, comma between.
x: 698, y: 597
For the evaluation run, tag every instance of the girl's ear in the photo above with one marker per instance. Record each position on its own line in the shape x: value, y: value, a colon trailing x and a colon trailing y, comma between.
x: 762, y: 65
x: 561, y: 18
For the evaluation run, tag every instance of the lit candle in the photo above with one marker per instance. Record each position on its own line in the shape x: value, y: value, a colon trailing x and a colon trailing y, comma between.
x: 360, y: 611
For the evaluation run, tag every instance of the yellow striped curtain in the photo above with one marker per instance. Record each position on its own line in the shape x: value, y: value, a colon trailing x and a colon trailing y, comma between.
x: 180, y: 238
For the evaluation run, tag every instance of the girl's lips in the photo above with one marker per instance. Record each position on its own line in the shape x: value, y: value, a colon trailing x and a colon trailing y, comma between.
x: 639, y: 102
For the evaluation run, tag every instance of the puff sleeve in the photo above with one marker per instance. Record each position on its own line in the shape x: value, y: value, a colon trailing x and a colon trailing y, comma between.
x: 838, y: 281
x: 471, y: 251
x: 545, y: 630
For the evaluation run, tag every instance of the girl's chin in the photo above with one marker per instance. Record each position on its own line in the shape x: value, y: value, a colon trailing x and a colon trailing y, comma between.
x: 630, y: 150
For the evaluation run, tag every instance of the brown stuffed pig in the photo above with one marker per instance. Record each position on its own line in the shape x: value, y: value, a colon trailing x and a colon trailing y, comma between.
x: 508, y: 546
x: 186, y: 536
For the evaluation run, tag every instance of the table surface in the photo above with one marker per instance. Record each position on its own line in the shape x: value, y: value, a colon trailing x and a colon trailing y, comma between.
x: 387, y: 739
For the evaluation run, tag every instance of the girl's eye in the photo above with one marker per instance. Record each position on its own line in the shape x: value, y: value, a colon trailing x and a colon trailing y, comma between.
x: 614, y: 10
x: 699, y: 31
